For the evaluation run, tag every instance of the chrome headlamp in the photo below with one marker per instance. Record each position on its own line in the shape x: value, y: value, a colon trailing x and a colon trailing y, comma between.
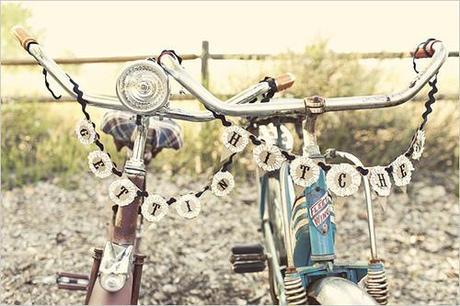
x: 143, y: 86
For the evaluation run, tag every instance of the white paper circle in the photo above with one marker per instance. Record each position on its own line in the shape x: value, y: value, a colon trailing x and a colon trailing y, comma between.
x: 154, y: 208
x: 100, y: 164
x: 402, y: 170
x: 85, y: 132
x: 188, y: 206
x: 235, y: 138
x: 222, y: 183
x: 419, y: 145
x: 122, y: 192
x: 304, y: 171
x: 268, y: 157
x: 343, y: 179
x: 380, y: 181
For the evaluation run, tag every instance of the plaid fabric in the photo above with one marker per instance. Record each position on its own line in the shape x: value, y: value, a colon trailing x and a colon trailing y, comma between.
x: 161, y: 134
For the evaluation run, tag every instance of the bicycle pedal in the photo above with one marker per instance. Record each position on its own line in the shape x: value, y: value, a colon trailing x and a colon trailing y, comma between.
x: 248, y: 258
x: 72, y: 281
x: 255, y: 248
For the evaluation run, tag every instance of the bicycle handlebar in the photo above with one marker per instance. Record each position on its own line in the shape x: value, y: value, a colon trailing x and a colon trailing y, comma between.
x: 237, y: 105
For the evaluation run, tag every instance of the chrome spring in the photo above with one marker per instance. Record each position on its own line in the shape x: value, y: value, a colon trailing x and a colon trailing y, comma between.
x: 376, y: 283
x: 295, y: 292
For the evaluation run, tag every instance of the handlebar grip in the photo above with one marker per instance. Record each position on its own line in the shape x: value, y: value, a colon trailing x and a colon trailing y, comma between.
x: 23, y: 37
x: 284, y: 81
x: 427, y: 51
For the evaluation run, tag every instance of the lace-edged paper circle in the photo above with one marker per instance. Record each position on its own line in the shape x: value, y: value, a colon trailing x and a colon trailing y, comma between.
x: 222, y: 183
x: 419, y: 145
x: 100, y: 164
x: 380, y: 181
x: 343, y: 179
x: 188, y: 206
x: 154, y: 208
x: 268, y: 157
x: 304, y: 171
x: 122, y: 192
x: 402, y: 170
x: 85, y: 132
x: 235, y: 138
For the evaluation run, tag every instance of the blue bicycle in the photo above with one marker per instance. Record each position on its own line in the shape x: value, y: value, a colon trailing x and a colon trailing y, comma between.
x: 298, y: 224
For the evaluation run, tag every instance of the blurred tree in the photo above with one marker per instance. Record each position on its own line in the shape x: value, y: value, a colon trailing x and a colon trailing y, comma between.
x: 320, y: 71
x: 11, y: 15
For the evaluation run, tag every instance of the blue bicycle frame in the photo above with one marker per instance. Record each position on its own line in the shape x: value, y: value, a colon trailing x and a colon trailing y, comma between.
x: 310, y: 219
x: 314, y: 242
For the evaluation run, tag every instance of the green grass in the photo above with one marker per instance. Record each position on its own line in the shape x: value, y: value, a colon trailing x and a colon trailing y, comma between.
x: 38, y: 142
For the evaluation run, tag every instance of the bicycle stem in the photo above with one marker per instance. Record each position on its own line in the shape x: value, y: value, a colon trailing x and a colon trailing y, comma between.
x: 310, y: 144
x: 135, y: 164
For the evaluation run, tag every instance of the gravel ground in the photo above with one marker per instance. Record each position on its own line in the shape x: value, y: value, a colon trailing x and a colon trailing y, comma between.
x: 48, y: 229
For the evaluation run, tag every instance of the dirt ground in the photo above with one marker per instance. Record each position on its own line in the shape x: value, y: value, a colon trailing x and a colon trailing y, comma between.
x: 48, y: 229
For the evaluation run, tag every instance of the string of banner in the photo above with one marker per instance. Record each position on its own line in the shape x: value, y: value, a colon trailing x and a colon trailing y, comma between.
x: 342, y: 179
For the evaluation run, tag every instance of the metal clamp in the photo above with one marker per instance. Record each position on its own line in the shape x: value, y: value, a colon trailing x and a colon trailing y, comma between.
x: 314, y: 104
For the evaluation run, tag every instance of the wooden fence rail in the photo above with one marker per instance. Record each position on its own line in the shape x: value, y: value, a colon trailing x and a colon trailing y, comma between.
x: 204, y: 57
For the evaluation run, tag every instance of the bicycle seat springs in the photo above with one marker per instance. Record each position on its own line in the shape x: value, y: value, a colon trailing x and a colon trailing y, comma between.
x: 295, y: 292
x: 376, y: 282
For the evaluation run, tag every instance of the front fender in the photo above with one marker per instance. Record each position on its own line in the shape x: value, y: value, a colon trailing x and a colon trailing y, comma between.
x: 339, y: 291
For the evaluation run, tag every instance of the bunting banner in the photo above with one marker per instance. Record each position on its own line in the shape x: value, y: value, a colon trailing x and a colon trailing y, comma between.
x: 342, y: 179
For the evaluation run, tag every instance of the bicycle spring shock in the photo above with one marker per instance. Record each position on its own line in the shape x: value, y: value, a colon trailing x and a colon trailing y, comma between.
x: 295, y: 292
x: 376, y: 282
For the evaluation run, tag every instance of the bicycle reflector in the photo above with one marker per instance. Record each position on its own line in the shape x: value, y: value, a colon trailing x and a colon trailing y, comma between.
x: 143, y: 86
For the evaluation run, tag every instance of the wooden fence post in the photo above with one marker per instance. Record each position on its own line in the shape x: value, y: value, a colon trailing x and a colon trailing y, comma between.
x: 204, y: 63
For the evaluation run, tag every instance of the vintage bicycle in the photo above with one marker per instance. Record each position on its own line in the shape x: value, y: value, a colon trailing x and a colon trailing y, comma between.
x: 297, y: 223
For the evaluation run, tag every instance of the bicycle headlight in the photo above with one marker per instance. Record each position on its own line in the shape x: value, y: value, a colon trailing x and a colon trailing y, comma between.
x: 143, y: 86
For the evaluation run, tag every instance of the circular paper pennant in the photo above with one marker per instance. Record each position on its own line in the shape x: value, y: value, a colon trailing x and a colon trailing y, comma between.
x: 188, y: 206
x: 418, y: 145
x: 304, y: 171
x: 85, y: 132
x: 222, y: 183
x: 268, y: 157
x: 122, y: 192
x: 402, y: 170
x: 100, y: 164
x: 235, y: 138
x: 380, y: 181
x: 343, y: 179
x: 154, y: 208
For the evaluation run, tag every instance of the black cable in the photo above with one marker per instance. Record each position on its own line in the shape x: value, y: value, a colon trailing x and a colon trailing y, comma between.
x: 431, y: 100
x: 271, y: 92
x: 200, y: 193
x: 84, y: 103
x: 47, y: 84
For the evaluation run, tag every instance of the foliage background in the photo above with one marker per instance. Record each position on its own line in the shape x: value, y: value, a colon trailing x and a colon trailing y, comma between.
x: 38, y: 140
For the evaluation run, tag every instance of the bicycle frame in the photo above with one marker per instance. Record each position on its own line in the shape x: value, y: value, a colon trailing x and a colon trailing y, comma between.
x: 313, y: 251
x: 123, y: 232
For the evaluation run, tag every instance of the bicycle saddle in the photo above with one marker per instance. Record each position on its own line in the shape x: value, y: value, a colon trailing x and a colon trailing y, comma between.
x: 161, y: 134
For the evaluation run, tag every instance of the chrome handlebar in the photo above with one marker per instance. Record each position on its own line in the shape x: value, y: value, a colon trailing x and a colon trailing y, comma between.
x: 238, y: 105
x: 291, y: 106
